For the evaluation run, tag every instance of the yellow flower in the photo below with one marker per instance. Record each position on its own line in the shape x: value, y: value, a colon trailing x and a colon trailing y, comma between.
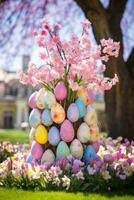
x: 101, y: 151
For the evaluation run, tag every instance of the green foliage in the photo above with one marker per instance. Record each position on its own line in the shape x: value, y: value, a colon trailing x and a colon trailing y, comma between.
x: 92, y: 183
x: 4, y: 155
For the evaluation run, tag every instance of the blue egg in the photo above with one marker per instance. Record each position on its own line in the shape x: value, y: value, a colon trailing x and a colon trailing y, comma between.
x: 46, y: 118
x: 54, y: 136
x: 73, y: 112
x: 35, y: 118
x: 81, y: 107
x: 29, y: 158
x: 89, y: 153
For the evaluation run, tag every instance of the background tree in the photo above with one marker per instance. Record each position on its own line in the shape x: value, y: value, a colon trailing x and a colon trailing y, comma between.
x: 120, y: 100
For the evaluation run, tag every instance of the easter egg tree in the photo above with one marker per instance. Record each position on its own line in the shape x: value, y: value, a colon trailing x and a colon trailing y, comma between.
x: 63, y: 120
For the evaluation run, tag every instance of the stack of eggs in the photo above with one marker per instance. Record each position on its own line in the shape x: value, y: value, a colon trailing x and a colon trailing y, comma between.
x: 58, y: 133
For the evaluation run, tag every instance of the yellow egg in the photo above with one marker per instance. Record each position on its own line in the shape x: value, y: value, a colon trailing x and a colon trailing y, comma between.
x: 41, y: 134
x: 83, y: 94
x: 57, y: 113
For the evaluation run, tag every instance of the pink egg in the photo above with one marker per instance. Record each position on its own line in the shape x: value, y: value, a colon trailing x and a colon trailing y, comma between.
x: 60, y: 91
x: 36, y: 150
x: 31, y: 101
x: 67, y: 131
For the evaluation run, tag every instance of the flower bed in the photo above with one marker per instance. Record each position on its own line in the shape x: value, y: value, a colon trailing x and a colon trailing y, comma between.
x: 7, y: 149
x: 113, y: 169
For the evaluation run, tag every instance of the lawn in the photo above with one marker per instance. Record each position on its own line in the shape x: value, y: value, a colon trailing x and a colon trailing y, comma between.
x: 14, y: 194
x: 14, y: 136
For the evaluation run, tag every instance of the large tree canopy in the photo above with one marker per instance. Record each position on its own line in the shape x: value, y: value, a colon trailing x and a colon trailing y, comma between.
x: 120, y: 100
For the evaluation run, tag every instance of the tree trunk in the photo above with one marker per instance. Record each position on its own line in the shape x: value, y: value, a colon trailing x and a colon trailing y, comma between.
x: 120, y: 99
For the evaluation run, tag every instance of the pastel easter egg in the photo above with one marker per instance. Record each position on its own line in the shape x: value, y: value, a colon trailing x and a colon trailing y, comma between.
x: 54, y: 136
x: 90, y: 117
x: 29, y: 158
x: 46, y: 117
x: 32, y: 135
x: 41, y: 135
x: 35, y: 118
x: 31, y: 101
x: 48, y: 157
x: 62, y: 150
x: 49, y: 99
x: 96, y: 145
x: 57, y: 113
x: 81, y: 107
x: 40, y: 98
x: 67, y: 131
x: 73, y: 112
x: 76, y: 149
x: 83, y: 94
x: 83, y: 133
x: 89, y: 153
x: 90, y: 97
x: 60, y: 91
x: 36, y: 150
x: 94, y: 133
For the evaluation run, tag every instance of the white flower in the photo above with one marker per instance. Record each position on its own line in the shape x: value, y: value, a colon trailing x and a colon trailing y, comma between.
x: 79, y: 175
x: 106, y: 175
x: 91, y: 170
x: 121, y: 176
x: 66, y: 182
x: 56, y: 181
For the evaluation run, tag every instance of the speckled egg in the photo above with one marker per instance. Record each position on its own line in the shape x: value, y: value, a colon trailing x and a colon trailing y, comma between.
x: 83, y: 133
x: 73, y: 112
x: 62, y: 150
x: 60, y: 91
x: 90, y: 97
x: 32, y: 135
x: 83, y: 94
x: 36, y: 150
x: 41, y: 134
x: 31, y: 101
x: 89, y: 153
x: 81, y: 107
x: 94, y: 133
x: 40, y: 101
x: 49, y: 99
x: 57, y: 113
x: 35, y: 118
x: 48, y: 157
x: 90, y: 117
x: 67, y: 131
x: 54, y: 136
x: 46, y: 117
x: 76, y: 149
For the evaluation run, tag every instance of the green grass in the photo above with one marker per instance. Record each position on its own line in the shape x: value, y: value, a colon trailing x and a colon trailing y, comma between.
x: 14, y: 194
x: 14, y: 136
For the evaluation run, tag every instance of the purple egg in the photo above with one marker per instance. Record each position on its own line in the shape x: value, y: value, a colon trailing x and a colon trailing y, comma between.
x: 31, y: 101
x: 36, y: 150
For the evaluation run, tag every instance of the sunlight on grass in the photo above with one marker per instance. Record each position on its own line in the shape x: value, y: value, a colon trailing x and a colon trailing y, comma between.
x: 14, y: 136
x: 14, y: 194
